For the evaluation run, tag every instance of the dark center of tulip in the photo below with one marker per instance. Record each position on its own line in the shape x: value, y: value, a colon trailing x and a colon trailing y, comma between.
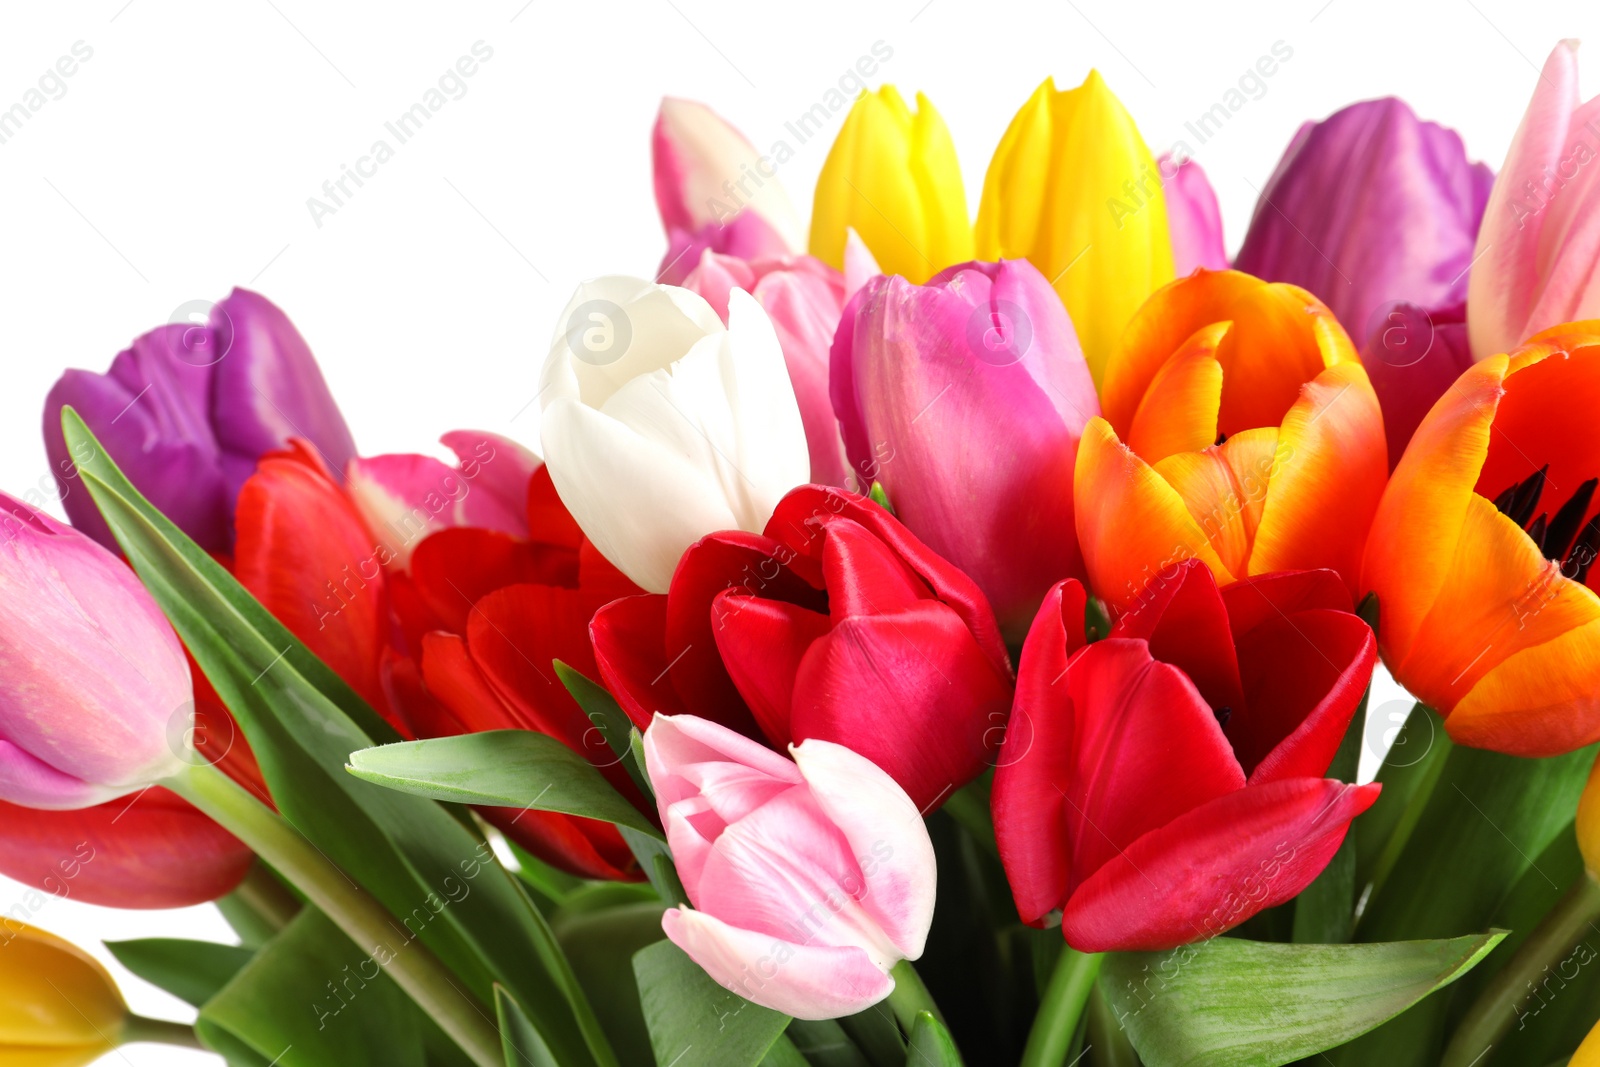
x: 1223, y: 714
x: 1559, y: 538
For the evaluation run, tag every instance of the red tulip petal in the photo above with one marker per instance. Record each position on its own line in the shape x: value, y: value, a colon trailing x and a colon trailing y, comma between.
x: 587, y: 848
x: 762, y: 643
x: 549, y: 521
x: 1030, y: 820
x: 1186, y: 625
x: 1304, y: 675
x: 912, y: 692
x: 597, y: 575
x: 628, y: 637
x: 1215, y: 866
x: 151, y: 850
x: 863, y: 575
x: 454, y: 568
x: 1252, y: 601
x: 452, y: 677
x: 421, y: 714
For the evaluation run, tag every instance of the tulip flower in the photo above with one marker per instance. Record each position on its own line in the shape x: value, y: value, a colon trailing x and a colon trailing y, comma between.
x: 95, y: 696
x: 892, y: 176
x: 1588, y: 1054
x: 808, y: 879
x: 1481, y: 551
x: 652, y: 407
x: 1073, y: 189
x: 714, y: 190
x: 1239, y: 429
x: 188, y: 409
x: 58, y: 1006
x: 965, y: 398
x: 1537, y: 251
x: 1165, y: 784
x: 803, y: 297
x: 1193, y: 217
x: 836, y: 624
x: 1412, y: 356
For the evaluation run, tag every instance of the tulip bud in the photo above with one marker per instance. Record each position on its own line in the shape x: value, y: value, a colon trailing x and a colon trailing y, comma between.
x: 1536, y: 253
x: 95, y: 694
x: 809, y: 879
x: 651, y: 407
x: 1588, y: 823
x: 1073, y: 188
x: 1193, y: 217
x: 892, y: 176
x: 983, y: 355
x: 58, y: 1006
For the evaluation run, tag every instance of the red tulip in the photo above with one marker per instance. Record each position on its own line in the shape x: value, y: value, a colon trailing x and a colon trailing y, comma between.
x: 1164, y: 785
x: 835, y: 623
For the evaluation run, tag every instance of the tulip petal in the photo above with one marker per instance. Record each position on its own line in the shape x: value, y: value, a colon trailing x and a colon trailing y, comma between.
x: 1185, y: 623
x: 27, y: 780
x: 462, y: 690
x: 1263, y: 598
x: 453, y: 568
x: 863, y: 576
x: 629, y: 637
x: 1540, y: 701
x: 1193, y: 217
x: 1179, y: 409
x: 805, y: 981
x: 696, y: 157
x: 587, y: 848
x: 1413, y: 356
x: 1215, y: 866
x: 1225, y: 490
x: 885, y: 833
x: 761, y: 643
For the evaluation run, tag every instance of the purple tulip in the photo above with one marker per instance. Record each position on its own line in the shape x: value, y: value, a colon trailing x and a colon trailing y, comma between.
x: 1411, y: 357
x: 95, y: 694
x: 1193, y: 218
x: 188, y: 410
x: 965, y: 398
x: 1369, y: 208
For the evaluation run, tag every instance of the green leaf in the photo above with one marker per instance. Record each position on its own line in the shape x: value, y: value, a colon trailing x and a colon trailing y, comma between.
x: 825, y: 1044
x: 609, y: 718
x: 1233, y: 1003
x: 522, y: 1044
x: 302, y: 723
x: 931, y: 1045
x: 600, y: 934
x: 499, y: 769
x: 311, y: 998
x: 192, y: 971
x: 692, y: 1019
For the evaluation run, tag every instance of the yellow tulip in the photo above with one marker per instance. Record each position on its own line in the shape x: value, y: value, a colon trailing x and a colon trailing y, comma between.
x: 1074, y: 189
x: 1588, y: 1054
x: 58, y: 1006
x: 892, y: 176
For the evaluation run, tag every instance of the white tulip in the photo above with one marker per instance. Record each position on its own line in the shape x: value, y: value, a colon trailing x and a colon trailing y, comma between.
x: 660, y: 425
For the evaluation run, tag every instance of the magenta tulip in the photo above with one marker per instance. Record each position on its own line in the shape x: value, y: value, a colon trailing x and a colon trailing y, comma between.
x: 809, y: 879
x: 1193, y: 217
x: 95, y: 694
x: 965, y: 398
x: 803, y: 297
x: 1539, y: 251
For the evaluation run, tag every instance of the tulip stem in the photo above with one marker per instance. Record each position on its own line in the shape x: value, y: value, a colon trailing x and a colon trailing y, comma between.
x: 1517, y: 990
x: 267, y: 896
x: 354, y: 910
x: 910, y: 996
x: 1061, y: 1007
x: 160, y: 1032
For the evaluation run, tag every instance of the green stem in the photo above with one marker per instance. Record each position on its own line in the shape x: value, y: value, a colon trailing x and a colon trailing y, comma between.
x: 1110, y: 1040
x: 1061, y: 1007
x: 969, y: 806
x: 910, y: 996
x: 161, y: 1032
x: 1495, y: 1010
x: 1427, y: 777
x: 355, y: 911
x: 267, y: 896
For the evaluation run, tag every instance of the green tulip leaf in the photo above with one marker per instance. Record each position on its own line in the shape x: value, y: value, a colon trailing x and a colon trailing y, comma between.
x: 521, y: 1041
x: 931, y: 1045
x: 1233, y: 1003
x: 192, y: 971
x: 692, y: 1019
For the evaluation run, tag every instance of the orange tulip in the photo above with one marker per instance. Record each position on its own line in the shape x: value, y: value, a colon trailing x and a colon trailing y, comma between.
x: 1480, y: 552
x: 1239, y: 429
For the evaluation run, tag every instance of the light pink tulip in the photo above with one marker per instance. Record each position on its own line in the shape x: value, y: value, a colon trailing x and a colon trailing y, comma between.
x: 1193, y: 217
x: 1537, y: 262
x: 809, y: 879
x: 95, y: 694
x: 404, y: 496
x: 803, y: 297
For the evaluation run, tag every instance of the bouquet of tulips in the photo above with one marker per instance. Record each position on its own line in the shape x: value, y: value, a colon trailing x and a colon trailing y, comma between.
x: 947, y: 645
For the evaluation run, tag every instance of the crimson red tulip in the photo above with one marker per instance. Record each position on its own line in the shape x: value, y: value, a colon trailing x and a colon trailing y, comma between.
x: 835, y: 623
x: 1165, y: 784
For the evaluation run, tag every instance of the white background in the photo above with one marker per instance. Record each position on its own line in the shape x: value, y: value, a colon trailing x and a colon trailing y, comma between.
x: 180, y: 159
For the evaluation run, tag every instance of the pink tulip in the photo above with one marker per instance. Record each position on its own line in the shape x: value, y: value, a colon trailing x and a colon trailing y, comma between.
x: 809, y: 879
x: 1193, y: 217
x: 803, y: 297
x: 715, y: 190
x: 95, y: 695
x: 965, y: 398
x: 1536, y: 261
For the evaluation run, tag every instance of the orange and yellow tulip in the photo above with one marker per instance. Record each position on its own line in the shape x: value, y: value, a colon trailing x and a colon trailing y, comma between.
x: 1240, y: 429
x: 1482, y: 548
x: 58, y: 1006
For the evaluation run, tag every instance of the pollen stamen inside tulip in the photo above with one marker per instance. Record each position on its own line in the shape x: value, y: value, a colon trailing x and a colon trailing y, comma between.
x: 1555, y: 536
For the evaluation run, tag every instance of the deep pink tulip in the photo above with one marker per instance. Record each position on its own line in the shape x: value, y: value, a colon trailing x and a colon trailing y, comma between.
x: 95, y: 694
x: 1412, y: 356
x: 1539, y: 249
x: 965, y: 398
x: 1193, y: 217
x: 803, y: 297
x: 809, y: 879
